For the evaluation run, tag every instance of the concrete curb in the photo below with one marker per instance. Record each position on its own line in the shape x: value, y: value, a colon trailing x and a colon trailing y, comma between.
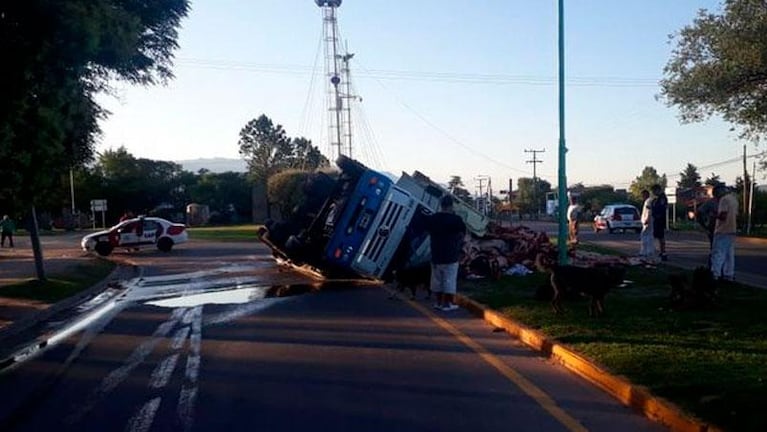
x: 634, y: 396
x: 121, y: 271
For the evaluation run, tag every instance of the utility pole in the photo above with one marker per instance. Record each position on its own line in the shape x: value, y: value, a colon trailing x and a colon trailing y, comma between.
x: 481, y: 203
x: 535, y: 161
x: 745, y: 181
x: 562, y: 187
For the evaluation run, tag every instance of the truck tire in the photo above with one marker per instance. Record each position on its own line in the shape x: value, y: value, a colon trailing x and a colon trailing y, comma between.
x: 350, y: 166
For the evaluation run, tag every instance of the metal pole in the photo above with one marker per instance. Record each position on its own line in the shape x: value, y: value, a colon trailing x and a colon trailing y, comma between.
x: 751, y: 199
x: 72, y: 190
x: 562, y: 237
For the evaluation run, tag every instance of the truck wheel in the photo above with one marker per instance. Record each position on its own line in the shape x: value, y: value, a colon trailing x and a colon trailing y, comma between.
x: 165, y: 244
x: 103, y: 248
x: 350, y: 166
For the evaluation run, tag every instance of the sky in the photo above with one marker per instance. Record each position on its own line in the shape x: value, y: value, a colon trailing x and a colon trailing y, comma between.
x: 447, y: 87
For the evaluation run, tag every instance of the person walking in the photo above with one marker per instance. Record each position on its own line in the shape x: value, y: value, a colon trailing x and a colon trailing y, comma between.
x: 446, y: 233
x: 723, y: 246
x: 659, y: 211
x: 646, y: 241
x: 573, y: 213
x: 8, y: 227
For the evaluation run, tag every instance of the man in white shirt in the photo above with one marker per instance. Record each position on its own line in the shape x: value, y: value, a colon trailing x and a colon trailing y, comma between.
x: 723, y: 247
x: 573, y: 212
x: 647, y: 244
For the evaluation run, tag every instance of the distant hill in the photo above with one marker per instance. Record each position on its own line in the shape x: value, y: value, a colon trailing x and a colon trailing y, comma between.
x: 216, y: 165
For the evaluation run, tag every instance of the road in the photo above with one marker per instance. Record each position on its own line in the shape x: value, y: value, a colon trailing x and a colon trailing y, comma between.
x: 214, y: 336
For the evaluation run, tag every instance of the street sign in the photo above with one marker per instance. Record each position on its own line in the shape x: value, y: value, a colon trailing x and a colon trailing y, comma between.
x: 99, y: 205
x: 671, y: 195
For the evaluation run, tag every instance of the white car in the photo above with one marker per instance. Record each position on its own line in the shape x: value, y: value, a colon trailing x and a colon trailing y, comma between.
x: 618, y: 217
x: 137, y: 233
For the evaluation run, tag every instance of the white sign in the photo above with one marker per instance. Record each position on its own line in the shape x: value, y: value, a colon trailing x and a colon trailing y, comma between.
x: 99, y: 205
x: 671, y: 195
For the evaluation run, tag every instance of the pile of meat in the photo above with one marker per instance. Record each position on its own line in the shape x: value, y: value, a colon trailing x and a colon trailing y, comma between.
x: 512, y: 250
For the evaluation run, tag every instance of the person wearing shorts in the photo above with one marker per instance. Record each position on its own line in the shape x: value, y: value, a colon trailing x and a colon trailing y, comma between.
x: 446, y: 232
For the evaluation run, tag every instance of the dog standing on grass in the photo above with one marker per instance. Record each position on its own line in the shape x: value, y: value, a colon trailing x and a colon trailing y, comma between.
x: 592, y: 282
x: 413, y: 278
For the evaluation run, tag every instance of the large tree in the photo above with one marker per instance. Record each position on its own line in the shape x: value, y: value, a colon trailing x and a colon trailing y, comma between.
x: 57, y: 56
x: 719, y: 66
x: 689, y: 178
x: 268, y: 150
x: 648, y: 178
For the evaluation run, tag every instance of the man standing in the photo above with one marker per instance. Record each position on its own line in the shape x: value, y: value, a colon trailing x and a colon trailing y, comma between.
x: 647, y: 247
x: 723, y: 247
x: 7, y: 227
x: 573, y: 213
x: 446, y: 233
x: 659, y: 211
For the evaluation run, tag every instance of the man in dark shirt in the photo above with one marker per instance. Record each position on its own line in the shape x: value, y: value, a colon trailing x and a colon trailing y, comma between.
x: 446, y: 233
x: 659, y: 210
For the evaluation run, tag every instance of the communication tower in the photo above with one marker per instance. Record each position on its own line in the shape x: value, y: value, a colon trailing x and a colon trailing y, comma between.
x: 338, y: 81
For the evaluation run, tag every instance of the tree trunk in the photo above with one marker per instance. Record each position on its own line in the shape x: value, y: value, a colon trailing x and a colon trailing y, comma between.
x: 34, y: 235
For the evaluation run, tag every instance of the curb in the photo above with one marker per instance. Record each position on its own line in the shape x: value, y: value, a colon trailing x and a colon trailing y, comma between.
x: 17, y: 328
x: 634, y: 396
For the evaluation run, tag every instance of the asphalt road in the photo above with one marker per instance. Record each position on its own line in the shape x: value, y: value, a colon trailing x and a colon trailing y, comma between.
x: 214, y: 336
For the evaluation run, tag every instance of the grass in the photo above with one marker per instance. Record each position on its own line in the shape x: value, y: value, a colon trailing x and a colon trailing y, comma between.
x: 59, y: 287
x: 225, y: 233
x: 712, y: 363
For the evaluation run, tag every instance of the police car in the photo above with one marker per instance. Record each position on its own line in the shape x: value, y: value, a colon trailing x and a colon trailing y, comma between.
x: 136, y: 233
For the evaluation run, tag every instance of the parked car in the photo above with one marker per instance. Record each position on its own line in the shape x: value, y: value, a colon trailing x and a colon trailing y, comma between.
x: 618, y: 217
x: 136, y: 233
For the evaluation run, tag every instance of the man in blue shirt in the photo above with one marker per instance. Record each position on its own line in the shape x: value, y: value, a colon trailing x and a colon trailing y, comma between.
x: 446, y: 233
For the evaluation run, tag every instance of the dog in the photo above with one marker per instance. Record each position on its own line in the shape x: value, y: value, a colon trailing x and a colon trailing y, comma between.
x: 696, y: 294
x: 413, y: 278
x: 592, y: 282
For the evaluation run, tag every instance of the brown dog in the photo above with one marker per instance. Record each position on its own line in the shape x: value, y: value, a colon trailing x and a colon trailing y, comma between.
x: 592, y: 282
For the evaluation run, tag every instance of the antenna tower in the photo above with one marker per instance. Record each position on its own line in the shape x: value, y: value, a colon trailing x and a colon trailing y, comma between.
x: 338, y: 83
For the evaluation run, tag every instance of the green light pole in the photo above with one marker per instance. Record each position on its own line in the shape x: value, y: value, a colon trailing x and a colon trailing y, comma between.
x: 562, y: 238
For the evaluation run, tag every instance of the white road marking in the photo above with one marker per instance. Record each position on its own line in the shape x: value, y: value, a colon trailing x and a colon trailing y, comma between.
x: 162, y: 373
x: 111, y: 381
x: 179, y: 338
x: 186, y: 401
x: 143, y: 419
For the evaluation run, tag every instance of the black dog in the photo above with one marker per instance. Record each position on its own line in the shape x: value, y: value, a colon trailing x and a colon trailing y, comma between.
x: 697, y: 294
x: 412, y: 278
x: 592, y: 282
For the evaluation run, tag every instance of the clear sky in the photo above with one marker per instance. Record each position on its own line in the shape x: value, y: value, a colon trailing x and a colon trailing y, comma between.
x: 450, y: 87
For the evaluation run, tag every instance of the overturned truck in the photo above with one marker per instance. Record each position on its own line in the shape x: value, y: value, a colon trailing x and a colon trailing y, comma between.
x: 360, y: 223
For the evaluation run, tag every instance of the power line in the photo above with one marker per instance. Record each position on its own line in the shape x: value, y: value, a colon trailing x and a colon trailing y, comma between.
x: 429, y: 76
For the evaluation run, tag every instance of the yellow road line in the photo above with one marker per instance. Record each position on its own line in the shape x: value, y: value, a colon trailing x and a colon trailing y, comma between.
x: 535, y: 392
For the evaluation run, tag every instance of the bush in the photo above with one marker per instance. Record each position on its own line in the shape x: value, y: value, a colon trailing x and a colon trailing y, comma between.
x: 285, y: 190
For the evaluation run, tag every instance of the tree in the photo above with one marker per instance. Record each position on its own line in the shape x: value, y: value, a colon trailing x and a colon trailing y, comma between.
x: 58, y: 55
x: 714, y: 179
x: 719, y: 67
x: 135, y: 184
x: 689, y: 178
x: 531, y: 194
x: 306, y: 156
x: 456, y: 187
x: 648, y: 178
